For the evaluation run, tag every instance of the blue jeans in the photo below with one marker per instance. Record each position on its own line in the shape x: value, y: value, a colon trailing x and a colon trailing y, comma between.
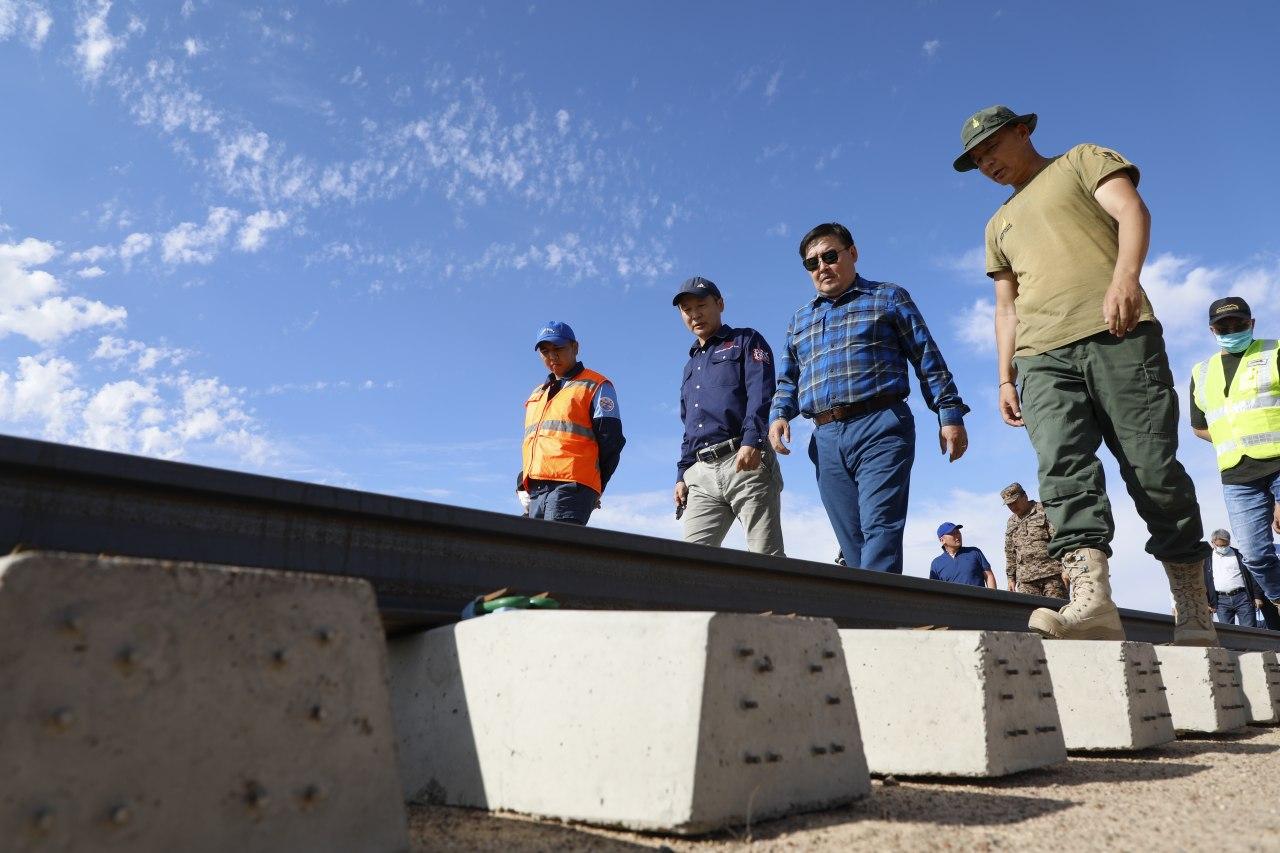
x: 1250, y: 507
x: 567, y: 502
x: 1237, y: 609
x: 864, y: 474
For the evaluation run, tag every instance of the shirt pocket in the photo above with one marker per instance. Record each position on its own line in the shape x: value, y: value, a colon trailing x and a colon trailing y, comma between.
x: 725, y: 367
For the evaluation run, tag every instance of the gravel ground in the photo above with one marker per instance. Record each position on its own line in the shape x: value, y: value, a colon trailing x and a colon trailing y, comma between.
x: 1220, y: 793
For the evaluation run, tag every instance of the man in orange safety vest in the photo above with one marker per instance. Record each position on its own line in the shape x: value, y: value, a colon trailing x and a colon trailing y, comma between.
x: 572, y: 432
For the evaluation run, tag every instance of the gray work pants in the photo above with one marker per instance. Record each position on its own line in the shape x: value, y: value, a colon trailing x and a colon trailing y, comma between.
x: 719, y: 493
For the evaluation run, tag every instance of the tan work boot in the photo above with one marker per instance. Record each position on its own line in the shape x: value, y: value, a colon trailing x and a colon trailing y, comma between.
x: 1091, y: 615
x: 1192, y: 622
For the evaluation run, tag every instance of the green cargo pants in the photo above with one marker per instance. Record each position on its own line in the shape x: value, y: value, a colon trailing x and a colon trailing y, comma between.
x: 1117, y: 391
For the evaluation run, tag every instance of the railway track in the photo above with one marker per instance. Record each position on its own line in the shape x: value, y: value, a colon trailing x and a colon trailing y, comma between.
x: 427, y: 560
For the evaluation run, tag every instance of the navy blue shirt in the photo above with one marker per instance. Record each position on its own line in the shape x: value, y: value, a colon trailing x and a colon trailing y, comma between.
x: 727, y: 387
x: 968, y: 566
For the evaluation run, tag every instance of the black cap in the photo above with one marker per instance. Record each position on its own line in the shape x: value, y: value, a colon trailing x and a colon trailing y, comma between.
x: 697, y: 286
x: 1231, y: 306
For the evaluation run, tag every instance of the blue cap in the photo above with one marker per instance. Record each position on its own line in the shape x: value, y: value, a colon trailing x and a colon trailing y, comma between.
x: 947, y: 527
x: 697, y: 286
x: 556, y: 332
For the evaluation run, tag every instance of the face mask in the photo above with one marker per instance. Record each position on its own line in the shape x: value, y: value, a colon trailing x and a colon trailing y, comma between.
x: 1224, y: 551
x: 1236, y: 341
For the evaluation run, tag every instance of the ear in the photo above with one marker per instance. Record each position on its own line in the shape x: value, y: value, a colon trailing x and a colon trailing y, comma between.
x: 853, y: 252
x: 720, y: 302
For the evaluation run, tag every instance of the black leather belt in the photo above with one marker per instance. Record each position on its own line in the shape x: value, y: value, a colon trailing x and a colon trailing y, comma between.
x: 719, y: 451
x: 845, y: 411
x: 1232, y: 591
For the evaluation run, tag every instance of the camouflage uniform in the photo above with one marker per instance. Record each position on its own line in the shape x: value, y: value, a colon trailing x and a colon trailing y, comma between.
x: 1026, y: 555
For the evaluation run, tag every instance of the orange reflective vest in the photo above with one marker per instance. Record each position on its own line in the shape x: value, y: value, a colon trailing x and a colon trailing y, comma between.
x: 559, y: 443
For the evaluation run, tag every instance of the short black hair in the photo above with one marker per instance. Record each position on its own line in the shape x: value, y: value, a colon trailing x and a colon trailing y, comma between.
x: 826, y: 229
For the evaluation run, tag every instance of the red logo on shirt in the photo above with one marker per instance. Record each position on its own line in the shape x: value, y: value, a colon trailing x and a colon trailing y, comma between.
x: 760, y: 355
x: 726, y: 346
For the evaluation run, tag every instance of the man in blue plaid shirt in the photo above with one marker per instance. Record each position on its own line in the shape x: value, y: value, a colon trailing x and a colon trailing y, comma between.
x: 845, y: 367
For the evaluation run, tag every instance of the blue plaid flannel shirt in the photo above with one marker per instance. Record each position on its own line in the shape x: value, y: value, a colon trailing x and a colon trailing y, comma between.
x: 857, y: 347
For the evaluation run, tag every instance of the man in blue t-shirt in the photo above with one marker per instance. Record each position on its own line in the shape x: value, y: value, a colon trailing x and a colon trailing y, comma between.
x: 958, y: 564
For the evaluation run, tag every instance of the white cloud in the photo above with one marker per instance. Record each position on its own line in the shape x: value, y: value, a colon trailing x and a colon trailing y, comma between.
x: 30, y: 304
x: 976, y: 325
x: 1180, y: 293
x: 931, y: 48
x: 168, y: 416
x: 971, y: 264
x: 116, y: 351
x: 778, y: 230
x: 190, y: 243
x: 43, y: 393
x: 91, y: 272
x: 91, y: 255
x: 133, y: 245
x: 193, y: 46
x: 27, y: 18
x: 771, y: 87
x: 253, y: 234
x: 562, y: 121
x: 96, y: 42
x: 354, y: 78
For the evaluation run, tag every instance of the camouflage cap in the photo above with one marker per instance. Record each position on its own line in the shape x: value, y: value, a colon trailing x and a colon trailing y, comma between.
x: 981, y: 125
x: 1012, y: 492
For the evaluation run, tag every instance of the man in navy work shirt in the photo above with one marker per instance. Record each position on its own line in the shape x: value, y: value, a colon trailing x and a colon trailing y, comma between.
x: 845, y: 367
x: 572, y: 432
x: 958, y: 564
x: 725, y: 471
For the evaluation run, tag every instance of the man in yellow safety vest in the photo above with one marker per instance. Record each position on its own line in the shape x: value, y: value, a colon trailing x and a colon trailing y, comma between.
x: 1235, y: 404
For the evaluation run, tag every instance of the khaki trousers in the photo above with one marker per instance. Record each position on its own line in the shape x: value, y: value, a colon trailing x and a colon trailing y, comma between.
x: 719, y: 493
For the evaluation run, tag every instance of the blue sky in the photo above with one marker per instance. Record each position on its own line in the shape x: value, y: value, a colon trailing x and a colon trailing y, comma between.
x: 317, y: 240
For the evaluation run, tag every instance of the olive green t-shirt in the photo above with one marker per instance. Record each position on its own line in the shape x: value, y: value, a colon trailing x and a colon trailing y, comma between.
x: 1062, y: 246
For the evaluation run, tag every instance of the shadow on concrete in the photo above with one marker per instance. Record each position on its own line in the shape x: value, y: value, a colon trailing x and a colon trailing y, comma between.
x: 436, y: 747
x: 914, y: 804
x: 445, y: 829
x: 1087, y: 772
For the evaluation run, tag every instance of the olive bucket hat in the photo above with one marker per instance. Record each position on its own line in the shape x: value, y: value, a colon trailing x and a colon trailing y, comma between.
x: 981, y: 125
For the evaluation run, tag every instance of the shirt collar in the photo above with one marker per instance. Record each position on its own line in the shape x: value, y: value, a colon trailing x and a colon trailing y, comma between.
x: 859, y: 285
x: 569, y: 374
x: 721, y: 334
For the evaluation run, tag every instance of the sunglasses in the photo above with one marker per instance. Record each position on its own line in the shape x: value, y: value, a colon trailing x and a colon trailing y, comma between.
x: 828, y: 257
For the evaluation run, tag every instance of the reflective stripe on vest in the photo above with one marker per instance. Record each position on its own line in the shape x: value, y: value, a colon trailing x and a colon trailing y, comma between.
x: 1244, y: 419
x: 559, y: 441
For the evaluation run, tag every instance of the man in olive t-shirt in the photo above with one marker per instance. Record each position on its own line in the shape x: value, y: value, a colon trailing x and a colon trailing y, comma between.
x: 1072, y: 321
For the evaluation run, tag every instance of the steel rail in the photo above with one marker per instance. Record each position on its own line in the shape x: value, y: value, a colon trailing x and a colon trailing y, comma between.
x: 427, y: 560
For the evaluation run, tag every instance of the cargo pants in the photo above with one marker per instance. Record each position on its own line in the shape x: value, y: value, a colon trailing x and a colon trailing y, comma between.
x: 1118, y: 392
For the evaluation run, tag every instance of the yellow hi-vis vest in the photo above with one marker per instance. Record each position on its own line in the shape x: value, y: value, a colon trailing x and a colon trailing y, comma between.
x: 559, y: 443
x: 1245, y: 421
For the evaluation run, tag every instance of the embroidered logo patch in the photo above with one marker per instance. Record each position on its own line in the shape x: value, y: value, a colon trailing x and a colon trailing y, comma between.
x: 726, y: 346
x: 606, y: 404
x: 760, y: 355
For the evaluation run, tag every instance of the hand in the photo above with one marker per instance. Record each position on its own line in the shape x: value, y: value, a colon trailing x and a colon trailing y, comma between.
x: 1275, y: 519
x: 682, y: 493
x: 1010, y: 586
x: 1122, y: 305
x: 1257, y: 604
x: 953, y: 441
x: 748, y: 458
x: 523, y: 497
x: 1010, y: 405
x: 780, y: 436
